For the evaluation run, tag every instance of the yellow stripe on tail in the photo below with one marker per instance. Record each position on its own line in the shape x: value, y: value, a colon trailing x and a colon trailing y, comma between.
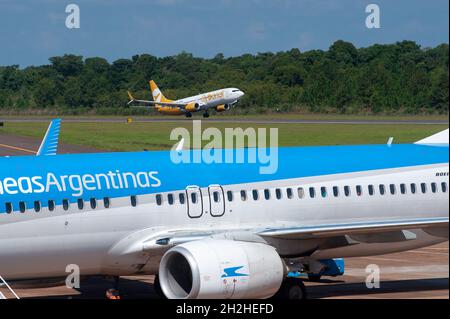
x: 157, y: 94
x: 130, y: 96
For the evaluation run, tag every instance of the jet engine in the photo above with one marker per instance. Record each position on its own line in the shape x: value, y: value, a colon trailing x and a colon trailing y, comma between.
x: 223, y: 107
x: 221, y: 269
x: 192, y: 107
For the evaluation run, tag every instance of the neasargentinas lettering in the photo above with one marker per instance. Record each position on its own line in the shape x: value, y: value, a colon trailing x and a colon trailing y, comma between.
x: 77, y: 184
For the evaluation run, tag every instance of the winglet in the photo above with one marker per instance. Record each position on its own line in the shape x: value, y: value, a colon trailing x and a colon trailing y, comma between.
x: 130, y: 96
x: 390, y: 140
x: 49, y: 144
x: 180, y: 146
x: 438, y: 138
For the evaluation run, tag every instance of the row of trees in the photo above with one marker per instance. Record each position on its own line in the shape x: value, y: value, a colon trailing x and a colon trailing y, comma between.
x: 394, y: 78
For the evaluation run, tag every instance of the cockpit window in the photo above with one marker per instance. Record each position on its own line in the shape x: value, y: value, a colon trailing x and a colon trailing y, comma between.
x: 235, y: 91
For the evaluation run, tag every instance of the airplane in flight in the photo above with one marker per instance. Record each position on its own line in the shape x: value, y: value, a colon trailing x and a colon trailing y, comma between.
x: 218, y: 230
x: 219, y: 100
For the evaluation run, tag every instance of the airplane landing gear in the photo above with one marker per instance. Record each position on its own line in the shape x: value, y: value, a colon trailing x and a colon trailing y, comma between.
x: 188, y: 115
x: 291, y: 288
x: 206, y: 115
x: 114, y: 293
x: 314, y: 278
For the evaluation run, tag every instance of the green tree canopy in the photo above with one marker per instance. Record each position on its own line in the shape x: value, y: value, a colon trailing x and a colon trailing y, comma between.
x: 400, y: 77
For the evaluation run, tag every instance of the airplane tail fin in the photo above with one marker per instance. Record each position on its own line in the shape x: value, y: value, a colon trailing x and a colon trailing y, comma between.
x: 438, y: 138
x: 130, y: 98
x: 157, y: 94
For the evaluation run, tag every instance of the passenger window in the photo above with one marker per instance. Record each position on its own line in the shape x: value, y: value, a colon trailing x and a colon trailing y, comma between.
x: 65, y: 204
x: 289, y: 193
x: 133, y: 201
x: 392, y: 189
x: 423, y: 187
x: 194, y: 198
x: 382, y: 189
x: 159, y: 200
x: 51, y: 205
x: 255, y: 194
x: 335, y: 191
x: 347, y: 191
x: 22, y: 207
x: 181, y: 198
x: 106, y: 202
x: 323, y: 191
x: 371, y: 190
x: 278, y: 193
x: 433, y: 187
x: 9, y: 208
x: 37, y: 206
x: 216, y: 196
x: 230, y: 196
x: 267, y: 194
x: 413, y: 188
x: 358, y: 190
x: 403, y: 188
x: 170, y: 199
x: 301, y: 192
x: 93, y: 203
x: 80, y: 203
x: 243, y: 196
x: 312, y: 192
x: 444, y: 187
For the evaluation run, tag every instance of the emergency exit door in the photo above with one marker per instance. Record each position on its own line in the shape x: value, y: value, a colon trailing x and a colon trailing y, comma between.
x: 216, y: 200
x: 194, y: 201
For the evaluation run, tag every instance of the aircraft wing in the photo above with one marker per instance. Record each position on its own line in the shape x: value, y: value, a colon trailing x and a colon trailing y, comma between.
x: 152, y: 103
x: 158, y: 241
x: 308, y: 232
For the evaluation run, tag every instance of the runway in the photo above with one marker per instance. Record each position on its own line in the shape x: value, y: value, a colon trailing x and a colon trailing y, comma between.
x: 421, y: 273
x: 227, y: 120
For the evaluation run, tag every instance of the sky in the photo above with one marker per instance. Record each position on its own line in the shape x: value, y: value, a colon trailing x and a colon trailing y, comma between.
x: 31, y: 31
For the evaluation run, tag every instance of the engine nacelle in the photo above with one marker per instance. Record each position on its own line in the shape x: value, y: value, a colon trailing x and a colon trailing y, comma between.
x: 192, y: 107
x: 223, y: 107
x: 221, y: 269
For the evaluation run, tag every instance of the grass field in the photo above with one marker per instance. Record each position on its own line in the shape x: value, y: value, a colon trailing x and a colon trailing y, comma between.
x: 155, y: 136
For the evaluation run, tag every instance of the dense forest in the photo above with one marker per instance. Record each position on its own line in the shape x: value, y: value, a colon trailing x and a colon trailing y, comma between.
x: 394, y: 78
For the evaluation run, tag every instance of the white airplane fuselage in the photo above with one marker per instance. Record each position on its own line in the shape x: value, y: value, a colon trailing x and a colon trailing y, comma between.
x: 213, y: 99
x: 119, y: 238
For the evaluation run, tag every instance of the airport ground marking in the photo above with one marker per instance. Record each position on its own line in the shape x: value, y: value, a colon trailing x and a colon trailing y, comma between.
x: 7, y: 286
x: 17, y: 148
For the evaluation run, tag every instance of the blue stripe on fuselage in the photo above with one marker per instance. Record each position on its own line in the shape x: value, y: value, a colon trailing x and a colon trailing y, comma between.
x: 293, y: 162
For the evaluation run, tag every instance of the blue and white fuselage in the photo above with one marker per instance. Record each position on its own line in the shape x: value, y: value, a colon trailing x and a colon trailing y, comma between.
x: 120, y: 213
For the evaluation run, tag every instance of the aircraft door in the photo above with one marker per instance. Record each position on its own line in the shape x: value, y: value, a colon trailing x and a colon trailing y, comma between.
x: 216, y: 200
x: 194, y: 201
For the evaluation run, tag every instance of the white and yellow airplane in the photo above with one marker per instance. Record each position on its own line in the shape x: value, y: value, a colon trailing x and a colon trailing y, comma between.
x: 220, y: 100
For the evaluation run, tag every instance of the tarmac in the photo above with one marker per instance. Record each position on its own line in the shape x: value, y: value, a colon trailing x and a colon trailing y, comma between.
x: 12, y: 145
x: 416, y: 274
x: 420, y: 273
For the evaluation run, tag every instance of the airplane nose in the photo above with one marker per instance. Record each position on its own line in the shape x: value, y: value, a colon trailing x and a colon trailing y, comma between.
x: 241, y: 94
